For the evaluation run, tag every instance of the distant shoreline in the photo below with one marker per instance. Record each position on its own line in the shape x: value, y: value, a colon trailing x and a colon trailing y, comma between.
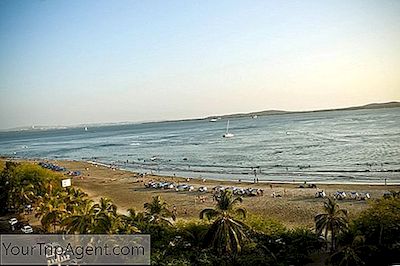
x: 393, y: 104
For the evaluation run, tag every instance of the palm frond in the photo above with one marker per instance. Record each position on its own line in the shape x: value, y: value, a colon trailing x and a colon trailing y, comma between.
x: 209, y: 213
x: 241, y: 211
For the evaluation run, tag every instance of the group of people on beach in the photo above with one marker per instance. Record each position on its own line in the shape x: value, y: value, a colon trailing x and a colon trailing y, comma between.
x: 175, y: 211
x: 201, y: 199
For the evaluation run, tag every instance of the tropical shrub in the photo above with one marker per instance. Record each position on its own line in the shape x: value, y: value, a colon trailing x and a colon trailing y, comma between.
x: 268, y: 226
x: 379, y: 227
x: 22, y: 184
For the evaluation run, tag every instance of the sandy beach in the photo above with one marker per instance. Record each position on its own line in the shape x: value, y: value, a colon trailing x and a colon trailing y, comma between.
x: 296, y: 207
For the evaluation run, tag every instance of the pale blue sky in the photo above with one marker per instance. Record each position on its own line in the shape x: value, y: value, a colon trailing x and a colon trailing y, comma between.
x: 72, y: 62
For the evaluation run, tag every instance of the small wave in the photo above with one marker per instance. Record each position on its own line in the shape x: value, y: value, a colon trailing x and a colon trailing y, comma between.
x: 110, y: 145
x: 135, y: 144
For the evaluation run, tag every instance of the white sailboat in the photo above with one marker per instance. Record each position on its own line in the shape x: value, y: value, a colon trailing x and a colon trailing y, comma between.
x: 227, y: 134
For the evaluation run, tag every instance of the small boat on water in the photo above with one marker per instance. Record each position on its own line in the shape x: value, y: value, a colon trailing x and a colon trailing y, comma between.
x: 86, y: 129
x: 213, y: 120
x: 227, y: 134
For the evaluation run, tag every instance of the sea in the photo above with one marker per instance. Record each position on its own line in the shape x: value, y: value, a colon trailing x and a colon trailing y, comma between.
x: 344, y: 146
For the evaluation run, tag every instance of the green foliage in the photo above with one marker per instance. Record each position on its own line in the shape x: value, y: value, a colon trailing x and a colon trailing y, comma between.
x: 22, y: 184
x: 157, y: 211
x: 299, y: 243
x: 379, y: 226
x: 380, y: 223
x: 99, y: 218
x: 256, y: 254
x: 193, y: 232
x: 161, y: 235
x: 292, y: 247
x: 6, y: 176
x: 51, y: 210
x: 333, y: 220
x: 226, y: 234
x: 225, y: 206
x: 266, y: 225
x: 352, y: 250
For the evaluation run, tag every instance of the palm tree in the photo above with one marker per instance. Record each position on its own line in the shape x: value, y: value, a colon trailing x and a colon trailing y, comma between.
x: 333, y: 220
x: 194, y: 233
x: 134, y: 218
x: 129, y: 223
x: 226, y: 234
x: 74, y: 198
x: 83, y: 221
x: 58, y: 203
x: 157, y: 211
x: 99, y: 218
x: 106, y: 206
x: 122, y: 225
x: 21, y: 194
x: 350, y: 253
x: 51, y: 210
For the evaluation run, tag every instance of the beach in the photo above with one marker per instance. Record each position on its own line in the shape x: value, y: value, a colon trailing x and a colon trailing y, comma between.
x: 295, y: 206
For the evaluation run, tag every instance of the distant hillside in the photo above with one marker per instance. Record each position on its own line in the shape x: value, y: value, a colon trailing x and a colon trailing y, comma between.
x: 237, y: 115
x: 279, y: 112
x: 376, y: 106
x: 260, y: 113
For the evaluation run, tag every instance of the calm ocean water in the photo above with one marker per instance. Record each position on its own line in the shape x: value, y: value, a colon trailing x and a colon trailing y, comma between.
x: 337, y: 146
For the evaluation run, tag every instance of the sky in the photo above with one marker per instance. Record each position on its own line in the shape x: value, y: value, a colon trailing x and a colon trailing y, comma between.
x: 77, y: 62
